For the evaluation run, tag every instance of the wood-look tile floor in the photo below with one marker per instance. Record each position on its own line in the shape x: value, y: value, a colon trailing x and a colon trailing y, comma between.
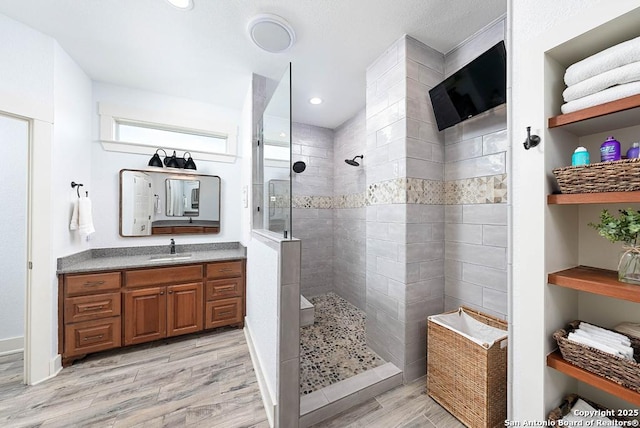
x: 196, y: 381
x: 201, y: 381
x: 407, y: 406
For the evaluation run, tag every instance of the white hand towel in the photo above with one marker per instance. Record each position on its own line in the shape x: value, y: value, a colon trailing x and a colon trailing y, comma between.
x: 590, y: 327
x: 612, y: 94
x: 73, y: 225
x: 608, y: 59
x: 625, y: 350
x: 618, y: 76
x: 85, y: 217
x: 593, y: 344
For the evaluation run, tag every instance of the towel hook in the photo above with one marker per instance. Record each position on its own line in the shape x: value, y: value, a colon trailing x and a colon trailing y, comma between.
x: 532, y: 140
x: 77, y: 187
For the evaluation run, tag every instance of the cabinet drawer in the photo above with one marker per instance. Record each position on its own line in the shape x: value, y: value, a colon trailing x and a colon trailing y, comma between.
x: 224, y: 269
x: 223, y: 312
x: 156, y: 276
x: 224, y: 288
x: 92, y: 283
x: 91, y: 336
x: 86, y: 308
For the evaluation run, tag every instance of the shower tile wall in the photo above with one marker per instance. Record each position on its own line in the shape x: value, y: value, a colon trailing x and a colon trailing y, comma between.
x: 312, y: 206
x: 405, y: 197
x: 476, y: 197
x: 349, y: 186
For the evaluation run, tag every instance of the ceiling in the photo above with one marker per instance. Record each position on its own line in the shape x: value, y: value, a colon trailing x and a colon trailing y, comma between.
x: 206, y: 54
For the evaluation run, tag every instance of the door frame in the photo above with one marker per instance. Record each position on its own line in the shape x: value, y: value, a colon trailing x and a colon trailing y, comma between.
x: 39, y: 325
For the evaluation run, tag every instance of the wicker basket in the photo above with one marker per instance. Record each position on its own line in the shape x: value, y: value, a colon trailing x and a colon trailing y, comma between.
x: 616, y: 176
x: 570, y: 400
x: 466, y: 379
x: 619, y: 370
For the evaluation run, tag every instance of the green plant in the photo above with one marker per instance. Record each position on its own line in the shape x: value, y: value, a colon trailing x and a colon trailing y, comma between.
x: 624, y: 228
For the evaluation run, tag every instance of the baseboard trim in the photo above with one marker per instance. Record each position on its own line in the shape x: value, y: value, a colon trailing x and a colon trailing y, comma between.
x: 12, y: 345
x: 267, y: 401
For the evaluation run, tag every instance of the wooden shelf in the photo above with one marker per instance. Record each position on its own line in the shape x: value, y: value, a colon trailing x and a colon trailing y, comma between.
x: 596, y: 281
x: 612, y: 115
x: 594, y: 198
x: 555, y: 360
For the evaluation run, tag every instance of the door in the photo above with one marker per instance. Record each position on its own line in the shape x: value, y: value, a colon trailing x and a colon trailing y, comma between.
x: 14, y: 144
x: 142, y: 204
x: 184, y: 309
x: 145, y: 315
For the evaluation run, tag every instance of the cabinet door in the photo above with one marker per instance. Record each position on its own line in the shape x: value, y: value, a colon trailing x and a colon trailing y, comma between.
x: 184, y: 309
x: 145, y: 315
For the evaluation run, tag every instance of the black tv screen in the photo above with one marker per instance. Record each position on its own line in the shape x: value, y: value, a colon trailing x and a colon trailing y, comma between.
x: 475, y: 88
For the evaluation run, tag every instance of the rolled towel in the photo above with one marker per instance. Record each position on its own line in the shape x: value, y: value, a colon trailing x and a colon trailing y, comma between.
x: 618, y: 76
x: 608, y: 59
x: 611, y: 94
x: 582, y: 411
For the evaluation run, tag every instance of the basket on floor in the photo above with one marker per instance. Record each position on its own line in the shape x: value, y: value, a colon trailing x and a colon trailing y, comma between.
x: 617, y: 369
x: 614, y: 176
x: 570, y: 400
x: 467, y: 379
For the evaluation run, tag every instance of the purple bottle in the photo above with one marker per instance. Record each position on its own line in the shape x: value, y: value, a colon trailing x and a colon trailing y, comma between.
x: 610, y: 150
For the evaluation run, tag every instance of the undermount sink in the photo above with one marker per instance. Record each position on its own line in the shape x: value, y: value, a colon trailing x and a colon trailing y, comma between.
x: 167, y: 257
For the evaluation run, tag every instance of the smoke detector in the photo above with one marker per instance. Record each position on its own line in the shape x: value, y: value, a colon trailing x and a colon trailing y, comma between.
x: 271, y: 33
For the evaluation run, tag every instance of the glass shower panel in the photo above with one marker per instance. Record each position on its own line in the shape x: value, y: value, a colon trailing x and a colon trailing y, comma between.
x: 276, y: 138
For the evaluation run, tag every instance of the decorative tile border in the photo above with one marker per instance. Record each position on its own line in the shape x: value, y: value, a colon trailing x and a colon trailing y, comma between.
x: 479, y: 190
x: 491, y: 189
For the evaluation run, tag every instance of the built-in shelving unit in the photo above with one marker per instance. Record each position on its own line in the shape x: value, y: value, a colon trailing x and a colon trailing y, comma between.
x: 555, y: 360
x: 594, y: 198
x: 602, y: 282
x: 612, y: 115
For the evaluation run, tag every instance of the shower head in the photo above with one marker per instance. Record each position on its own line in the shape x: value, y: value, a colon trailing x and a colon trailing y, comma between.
x: 353, y: 161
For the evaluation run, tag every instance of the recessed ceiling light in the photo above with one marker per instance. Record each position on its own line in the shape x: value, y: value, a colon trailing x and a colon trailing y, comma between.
x: 315, y: 100
x: 182, y: 4
x: 271, y: 33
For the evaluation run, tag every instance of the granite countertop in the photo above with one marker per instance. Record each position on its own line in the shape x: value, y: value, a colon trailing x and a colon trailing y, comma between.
x: 103, y: 259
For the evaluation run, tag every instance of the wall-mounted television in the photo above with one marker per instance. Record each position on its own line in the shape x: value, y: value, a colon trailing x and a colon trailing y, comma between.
x: 477, y: 87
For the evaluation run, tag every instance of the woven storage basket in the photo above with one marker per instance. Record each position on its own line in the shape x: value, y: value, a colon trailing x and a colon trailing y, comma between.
x: 466, y: 379
x: 570, y: 400
x: 619, y: 370
x: 616, y: 176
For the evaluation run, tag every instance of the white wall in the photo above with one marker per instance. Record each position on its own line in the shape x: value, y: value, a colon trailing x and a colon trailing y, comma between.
x: 107, y: 165
x: 14, y: 143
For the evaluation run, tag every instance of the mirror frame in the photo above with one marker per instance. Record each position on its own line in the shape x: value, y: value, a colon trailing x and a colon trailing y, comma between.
x: 172, y: 230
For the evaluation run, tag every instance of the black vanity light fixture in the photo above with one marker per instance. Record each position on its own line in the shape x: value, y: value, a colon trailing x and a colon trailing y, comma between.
x: 172, y: 161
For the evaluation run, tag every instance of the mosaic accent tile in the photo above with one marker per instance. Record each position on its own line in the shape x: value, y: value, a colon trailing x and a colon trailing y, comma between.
x: 316, y: 202
x: 406, y: 191
x: 491, y: 189
x: 333, y: 348
x: 356, y: 200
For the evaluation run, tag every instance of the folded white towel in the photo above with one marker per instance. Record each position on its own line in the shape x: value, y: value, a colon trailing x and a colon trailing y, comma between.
x: 625, y: 350
x: 593, y: 344
x: 73, y: 225
x: 608, y: 59
x: 611, y: 94
x: 85, y: 217
x: 625, y: 74
x: 599, y: 330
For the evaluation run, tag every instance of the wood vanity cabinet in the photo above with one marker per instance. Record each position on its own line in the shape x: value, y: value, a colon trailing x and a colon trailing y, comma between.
x: 100, y: 311
x: 89, y: 313
x: 171, y: 307
x: 225, y: 299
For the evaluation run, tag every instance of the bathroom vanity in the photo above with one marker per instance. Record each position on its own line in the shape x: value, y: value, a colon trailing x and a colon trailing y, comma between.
x: 110, y: 302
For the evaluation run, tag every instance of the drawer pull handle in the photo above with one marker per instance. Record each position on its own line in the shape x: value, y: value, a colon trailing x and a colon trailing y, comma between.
x: 225, y: 270
x: 93, y: 308
x: 226, y: 313
x: 98, y: 337
x: 93, y: 283
x: 162, y: 293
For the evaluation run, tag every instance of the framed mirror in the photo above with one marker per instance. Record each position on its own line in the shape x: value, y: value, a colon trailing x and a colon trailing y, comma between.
x: 163, y: 202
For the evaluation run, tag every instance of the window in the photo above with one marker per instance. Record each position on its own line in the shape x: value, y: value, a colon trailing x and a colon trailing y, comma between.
x: 130, y: 130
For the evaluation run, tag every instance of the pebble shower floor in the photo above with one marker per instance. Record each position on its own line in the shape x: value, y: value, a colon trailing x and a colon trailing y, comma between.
x: 334, y: 347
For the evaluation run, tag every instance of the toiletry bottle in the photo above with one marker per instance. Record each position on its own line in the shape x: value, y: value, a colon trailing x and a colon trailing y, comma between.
x: 580, y: 157
x: 634, y: 151
x: 610, y: 150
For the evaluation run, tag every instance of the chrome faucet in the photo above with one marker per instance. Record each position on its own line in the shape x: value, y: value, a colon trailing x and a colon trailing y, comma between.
x: 173, y: 246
